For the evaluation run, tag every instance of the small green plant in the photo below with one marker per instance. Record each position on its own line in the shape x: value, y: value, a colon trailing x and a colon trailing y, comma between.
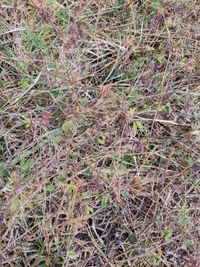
x: 137, y: 127
x: 69, y: 126
x: 24, y: 83
x: 190, y: 161
x: 49, y: 188
x: 56, y: 135
x: 102, y: 139
x: 104, y: 201
x: 168, y: 233
x: 132, y: 237
x: 121, y: 2
x: 8, y: 2
x: 26, y: 167
x: 184, y: 218
x: 128, y: 159
x: 89, y: 209
x: 132, y: 73
x: 122, y: 169
x: 160, y: 58
x: 37, y: 40
x: 4, y: 169
x: 62, y: 18
x: 153, y: 4
x: 34, y: 40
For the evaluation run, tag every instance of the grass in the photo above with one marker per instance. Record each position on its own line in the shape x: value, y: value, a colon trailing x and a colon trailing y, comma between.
x: 99, y: 133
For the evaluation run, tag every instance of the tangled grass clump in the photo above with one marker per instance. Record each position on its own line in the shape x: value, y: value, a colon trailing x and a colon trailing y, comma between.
x: 99, y: 133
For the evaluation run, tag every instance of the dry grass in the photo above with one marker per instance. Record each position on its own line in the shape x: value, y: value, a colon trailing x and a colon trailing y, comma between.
x: 99, y: 133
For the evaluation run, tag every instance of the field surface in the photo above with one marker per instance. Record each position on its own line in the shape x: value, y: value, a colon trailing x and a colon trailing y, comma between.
x: 100, y: 133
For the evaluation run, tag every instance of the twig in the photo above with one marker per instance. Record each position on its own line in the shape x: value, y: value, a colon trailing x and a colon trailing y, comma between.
x: 161, y: 121
x: 29, y: 88
x: 14, y: 30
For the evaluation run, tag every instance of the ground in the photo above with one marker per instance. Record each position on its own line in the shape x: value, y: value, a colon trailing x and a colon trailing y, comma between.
x: 99, y: 133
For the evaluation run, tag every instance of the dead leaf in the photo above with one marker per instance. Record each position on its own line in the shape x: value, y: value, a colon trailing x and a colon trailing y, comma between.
x: 195, y: 262
x: 38, y: 3
x: 137, y: 187
x: 106, y: 91
x: 46, y: 117
x: 191, y: 64
x: 74, y: 79
x: 43, y: 119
